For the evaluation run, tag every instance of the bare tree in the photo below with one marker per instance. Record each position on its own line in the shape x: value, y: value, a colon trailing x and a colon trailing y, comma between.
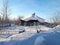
x: 0, y: 20
x: 5, y: 12
x: 55, y: 19
x: 18, y: 21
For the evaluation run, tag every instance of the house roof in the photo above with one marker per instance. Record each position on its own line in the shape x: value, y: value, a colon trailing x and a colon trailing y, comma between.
x: 34, y: 17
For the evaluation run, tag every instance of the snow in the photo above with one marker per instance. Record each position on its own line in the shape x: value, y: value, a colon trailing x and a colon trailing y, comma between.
x: 4, y: 39
x: 58, y: 25
x: 56, y: 29
x: 12, y: 30
x: 35, y: 28
x: 34, y: 17
x: 39, y: 40
x: 50, y: 37
x: 21, y: 36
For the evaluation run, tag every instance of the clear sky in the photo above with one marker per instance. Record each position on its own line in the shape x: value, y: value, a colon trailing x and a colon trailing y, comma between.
x: 42, y: 8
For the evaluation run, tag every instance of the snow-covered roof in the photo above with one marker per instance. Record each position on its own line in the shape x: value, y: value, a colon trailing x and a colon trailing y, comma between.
x: 34, y: 17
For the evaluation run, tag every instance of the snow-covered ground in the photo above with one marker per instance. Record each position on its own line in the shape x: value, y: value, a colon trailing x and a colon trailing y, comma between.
x: 21, y: 36
x: 50, y: 37
x: 35, y: 28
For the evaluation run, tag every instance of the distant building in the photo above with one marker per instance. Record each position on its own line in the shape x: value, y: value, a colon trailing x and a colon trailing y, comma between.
x: 32, y: 20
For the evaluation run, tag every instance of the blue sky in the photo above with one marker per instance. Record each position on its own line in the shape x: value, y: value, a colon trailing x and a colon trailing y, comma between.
x: 42, y: 8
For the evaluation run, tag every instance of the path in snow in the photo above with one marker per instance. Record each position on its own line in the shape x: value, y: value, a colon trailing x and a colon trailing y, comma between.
x: 21, y: 36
